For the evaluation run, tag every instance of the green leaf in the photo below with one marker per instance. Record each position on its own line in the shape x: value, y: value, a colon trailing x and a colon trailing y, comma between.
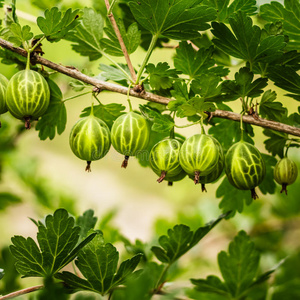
x: 161, y: 122
x: 98, y: 264
x: 131, y: 38
x: 289, y: 17
x: 180, y: 93
x: 107, y: 113
x: 18, y: 35
x: 224, y: 9
x: 195, y: 63
x: 270, y: 109
x: 212, y: 284
x: 87, y: 35
x: 268, y: 185
x: 245, y: 40
x: 161, y: 76
x: 276, y: 142
x: 86, y: 222
x: 55, y: 118
x: 2, y: 273
x: 286, y: 78
x: 232, y: 199
x: 7, y: 199
x: 176, y: 19
x: 44, y: 4
x: 55, y: 25
x: 243, y: 85
x: 239, y: 265
x: 1, y: 3
x: 57, y: 240
x: 180, y: 240
x: 115, y: 74
x: 207, y: 86
x: 52, y: 290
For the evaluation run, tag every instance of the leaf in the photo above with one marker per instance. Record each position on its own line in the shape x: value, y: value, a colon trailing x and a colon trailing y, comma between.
x: 207, y: 86
x: 286, y: 78
x: 232, y: 199
x: 2, y: 273
x: 52, y: 290
x: 224, y: 9
x: 212, y: 284
x: 180, y: 240
x: 239, y: 265
x: 57, y: 240
x: 86, y: 36
x: 18, y: 35
x: 270, y: 109
x: 268, y: 185
x: 98, y: 264
x: 161, y: 76
x: 195, y: 63
x: 245, y: 40
x: 243, y: 85
x: 1, y: 3
x: 289, y: 17
x: 176, y: 19
x: 7, y: 199
x: 55, y: 118
x: 86, y: 222
x: 131, y: 38
x: 55, y: 25
x: 276, y: 142
x: 114, y: 74
x: 107, y: 113
x: 161, y: 122
x: 44, y: 4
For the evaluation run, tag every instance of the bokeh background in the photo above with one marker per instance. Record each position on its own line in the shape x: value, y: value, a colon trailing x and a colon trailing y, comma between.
x: 45, y: 175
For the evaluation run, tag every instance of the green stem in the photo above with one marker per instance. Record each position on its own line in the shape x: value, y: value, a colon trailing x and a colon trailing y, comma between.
x: 130, y: 106
x: 202, y: 127
x: 187, y: 125
x: 287, y: 149
x: 76, y: 96
x: 241, y: 126
x: 111, y: 7
x: 28, y: 61
x: 146, y: 59
x: 161, y: 277
x: 37, y: 43
x: 97, y: 99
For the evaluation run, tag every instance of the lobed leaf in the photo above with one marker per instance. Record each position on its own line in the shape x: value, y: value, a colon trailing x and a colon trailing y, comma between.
x: 55, y: 118
x: 55, y: 25
x: 180, y: 240
x: 18, y: 35
x: 276, y: 142
x: 86, y: 36
x: 56, y: 238
x: 98, y: 264
x: 176, y: 19
x: 86, y: 222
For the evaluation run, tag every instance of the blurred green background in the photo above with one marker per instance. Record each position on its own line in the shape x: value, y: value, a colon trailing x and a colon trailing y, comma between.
x: 45, y: 175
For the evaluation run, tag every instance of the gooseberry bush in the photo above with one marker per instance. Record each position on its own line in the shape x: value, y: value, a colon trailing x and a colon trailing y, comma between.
x: 230, y: 59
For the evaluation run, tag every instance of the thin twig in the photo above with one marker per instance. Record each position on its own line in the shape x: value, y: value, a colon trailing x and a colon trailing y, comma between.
x: 121, y: 41
x: 22, y: 292
x: 102, y: 85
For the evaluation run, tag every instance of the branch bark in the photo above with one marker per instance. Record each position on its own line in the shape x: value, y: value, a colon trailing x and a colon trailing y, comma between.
x: 121, y: 41
x: 102, y: 85
x: 22, y: 292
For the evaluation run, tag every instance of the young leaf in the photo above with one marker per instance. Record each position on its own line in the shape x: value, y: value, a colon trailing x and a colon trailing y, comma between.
x: 87, y: 35
x: 131, y: 38
x: 245, y: 40
x: 161, y: 76
x: 180, y: 240
x: 177, y: 19
x: 86, y: 222
x: 212, y: 284
x: 18, y: 35
x: 55, y: 118
x: 55, y: 25
x: 107, y: 113
x: 207, y: 86
x: 115, y: 74
x: 98, y: 264
x: 270, y: 109
x: 57, y: 240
